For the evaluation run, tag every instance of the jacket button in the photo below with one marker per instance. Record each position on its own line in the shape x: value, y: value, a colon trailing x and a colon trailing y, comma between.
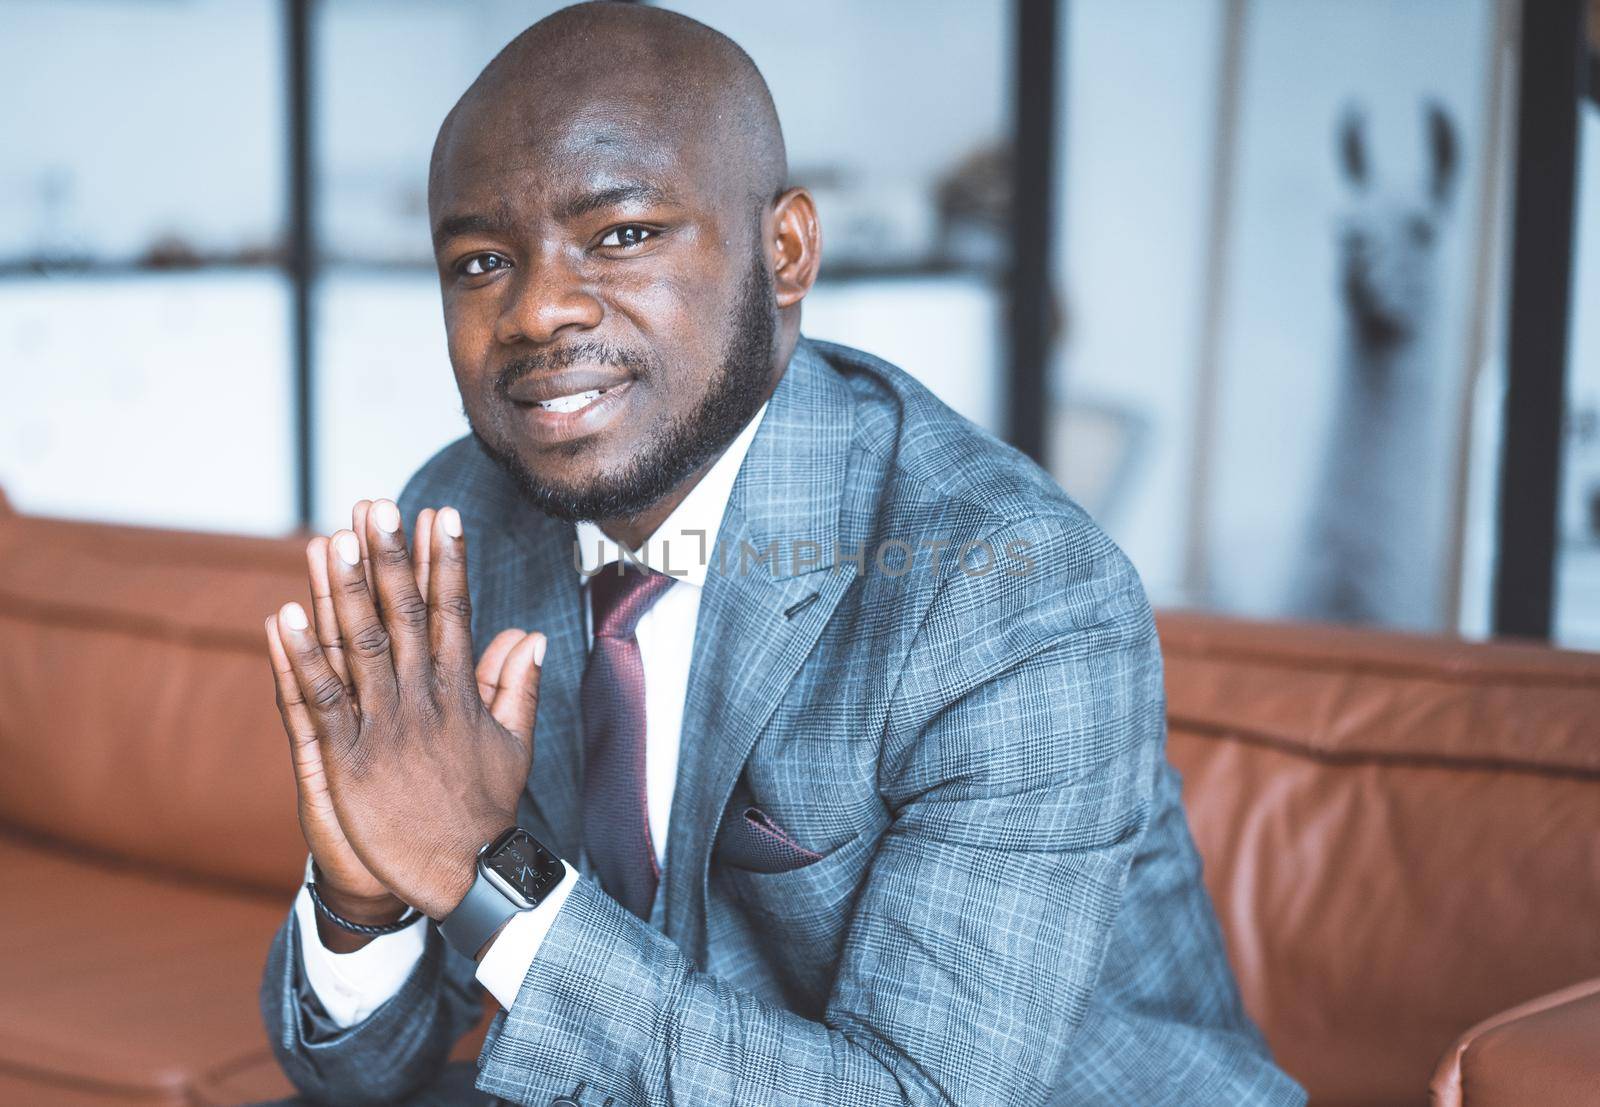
x: 564, y: 1101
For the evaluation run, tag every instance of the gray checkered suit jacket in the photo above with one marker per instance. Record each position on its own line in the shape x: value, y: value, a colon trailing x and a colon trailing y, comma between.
x: 1007, y: 906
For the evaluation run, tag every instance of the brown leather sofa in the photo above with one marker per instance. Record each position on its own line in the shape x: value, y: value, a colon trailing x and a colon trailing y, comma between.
x: 1402, y: 839
x: 1402, y: 836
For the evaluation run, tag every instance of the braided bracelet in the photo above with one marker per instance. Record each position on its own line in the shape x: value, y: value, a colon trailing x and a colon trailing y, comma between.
x: 339, y: 920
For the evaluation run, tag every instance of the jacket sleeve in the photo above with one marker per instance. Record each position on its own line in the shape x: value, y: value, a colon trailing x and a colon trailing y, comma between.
x: 399, y: 1048
x: 1017, y: 767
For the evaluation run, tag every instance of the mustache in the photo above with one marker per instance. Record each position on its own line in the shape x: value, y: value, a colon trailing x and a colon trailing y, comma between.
x: 579, y: 353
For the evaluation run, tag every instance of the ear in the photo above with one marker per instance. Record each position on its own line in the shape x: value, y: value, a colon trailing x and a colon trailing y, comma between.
x: 796, y: 246
x: 1444, y: 152
x: 1353, y: 146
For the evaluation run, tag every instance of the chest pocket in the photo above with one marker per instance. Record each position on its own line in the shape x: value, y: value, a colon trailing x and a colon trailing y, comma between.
x: 801, y: 894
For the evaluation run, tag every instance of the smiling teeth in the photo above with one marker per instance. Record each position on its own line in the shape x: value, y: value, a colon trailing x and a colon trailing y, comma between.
x: 568, y: 404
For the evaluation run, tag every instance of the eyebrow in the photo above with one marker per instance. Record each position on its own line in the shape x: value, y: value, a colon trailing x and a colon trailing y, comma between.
x: 452, y: 226
x: 585, y: 202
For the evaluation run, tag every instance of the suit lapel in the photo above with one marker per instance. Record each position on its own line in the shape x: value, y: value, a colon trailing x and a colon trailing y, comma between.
x: 759, y: 617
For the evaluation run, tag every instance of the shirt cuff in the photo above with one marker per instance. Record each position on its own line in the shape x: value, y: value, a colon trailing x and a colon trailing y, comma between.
x: 509, y: 957
x: 353, y: 985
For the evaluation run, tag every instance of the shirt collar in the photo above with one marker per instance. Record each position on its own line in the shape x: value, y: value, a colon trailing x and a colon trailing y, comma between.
x: 681, y: 546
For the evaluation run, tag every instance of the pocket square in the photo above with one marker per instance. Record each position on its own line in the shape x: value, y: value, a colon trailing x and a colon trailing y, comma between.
x: 753, y: 841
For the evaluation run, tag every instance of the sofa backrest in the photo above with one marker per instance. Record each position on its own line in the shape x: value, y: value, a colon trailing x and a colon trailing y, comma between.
x: 1401, y: 835
x: 137, y: 715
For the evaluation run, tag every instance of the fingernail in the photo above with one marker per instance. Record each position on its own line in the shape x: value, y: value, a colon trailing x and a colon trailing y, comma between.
x: 295, y: 616
x: 539, y: 644
x: 387, y: 516
x: 450, y: 520
x: 348, y: 548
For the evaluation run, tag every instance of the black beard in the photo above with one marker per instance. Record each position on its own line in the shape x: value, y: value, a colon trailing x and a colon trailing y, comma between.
x: 667, y: 459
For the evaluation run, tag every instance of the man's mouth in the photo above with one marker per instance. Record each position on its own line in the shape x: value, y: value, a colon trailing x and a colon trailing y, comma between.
x: 579, y: 408
x: 576, y: 401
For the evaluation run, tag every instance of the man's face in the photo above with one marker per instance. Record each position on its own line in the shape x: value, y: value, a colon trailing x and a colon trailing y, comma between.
x: 608, y: 304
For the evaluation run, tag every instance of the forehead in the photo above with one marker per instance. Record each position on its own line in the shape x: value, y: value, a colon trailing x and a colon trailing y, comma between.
x: 518, y: 154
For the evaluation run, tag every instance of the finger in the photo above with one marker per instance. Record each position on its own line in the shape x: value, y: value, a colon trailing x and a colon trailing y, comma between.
x: 366, y: 639
x: 422, y: 548
x: 449, y: 602
x: 402, y: 608
x: 318, y: 688
x: 323, y: 619
x: 516, y: 698
x: 493, y: 660
x: 291, y: 704
x: 358, y: 524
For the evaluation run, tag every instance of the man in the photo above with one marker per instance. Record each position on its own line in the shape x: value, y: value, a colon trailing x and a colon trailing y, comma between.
x: 841, y: 778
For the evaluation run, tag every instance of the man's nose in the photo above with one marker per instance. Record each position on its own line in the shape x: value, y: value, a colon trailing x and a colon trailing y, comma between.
x: 545, y: 297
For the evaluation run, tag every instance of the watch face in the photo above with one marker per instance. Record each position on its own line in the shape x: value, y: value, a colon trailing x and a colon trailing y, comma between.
x: 517, y: 858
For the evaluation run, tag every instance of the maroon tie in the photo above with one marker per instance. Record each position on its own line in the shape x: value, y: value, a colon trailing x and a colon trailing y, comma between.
x: 616, y: 821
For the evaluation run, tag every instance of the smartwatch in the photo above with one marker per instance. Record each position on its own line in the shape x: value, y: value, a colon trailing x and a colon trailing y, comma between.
x: 515, y: 873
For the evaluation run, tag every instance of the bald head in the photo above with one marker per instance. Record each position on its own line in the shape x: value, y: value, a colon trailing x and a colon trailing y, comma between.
x: 630, y: 71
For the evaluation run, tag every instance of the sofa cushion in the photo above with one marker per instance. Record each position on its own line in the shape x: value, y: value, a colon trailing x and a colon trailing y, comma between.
x: 137, y: 712
x: 1398, y: 834
x: 116, y: 986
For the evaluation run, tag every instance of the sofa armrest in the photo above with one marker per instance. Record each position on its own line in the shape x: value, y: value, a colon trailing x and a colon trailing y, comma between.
x: 1542, y: 1051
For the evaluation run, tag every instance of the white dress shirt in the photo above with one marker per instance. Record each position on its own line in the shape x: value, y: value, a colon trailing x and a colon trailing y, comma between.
x: 353, y: 985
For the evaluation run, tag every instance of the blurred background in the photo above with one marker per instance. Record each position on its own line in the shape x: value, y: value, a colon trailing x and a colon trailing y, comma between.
x: 1288, y: 293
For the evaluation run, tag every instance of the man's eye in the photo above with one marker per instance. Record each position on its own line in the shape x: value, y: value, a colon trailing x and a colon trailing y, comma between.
x: 479, y: 264
x: 627, y: 236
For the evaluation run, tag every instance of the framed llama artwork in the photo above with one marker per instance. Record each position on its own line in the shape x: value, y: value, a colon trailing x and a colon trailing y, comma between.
x: 1353, y: 311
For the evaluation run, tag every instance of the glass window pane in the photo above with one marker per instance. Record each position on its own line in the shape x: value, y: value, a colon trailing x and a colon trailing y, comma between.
x: 1577, y: 621
x: 159, y: 400
x: 140, y: 131
x: 386, y: 398
x: 1136, y: 153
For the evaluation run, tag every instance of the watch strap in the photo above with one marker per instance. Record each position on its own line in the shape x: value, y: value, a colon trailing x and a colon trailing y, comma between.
x: 476, y: 918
